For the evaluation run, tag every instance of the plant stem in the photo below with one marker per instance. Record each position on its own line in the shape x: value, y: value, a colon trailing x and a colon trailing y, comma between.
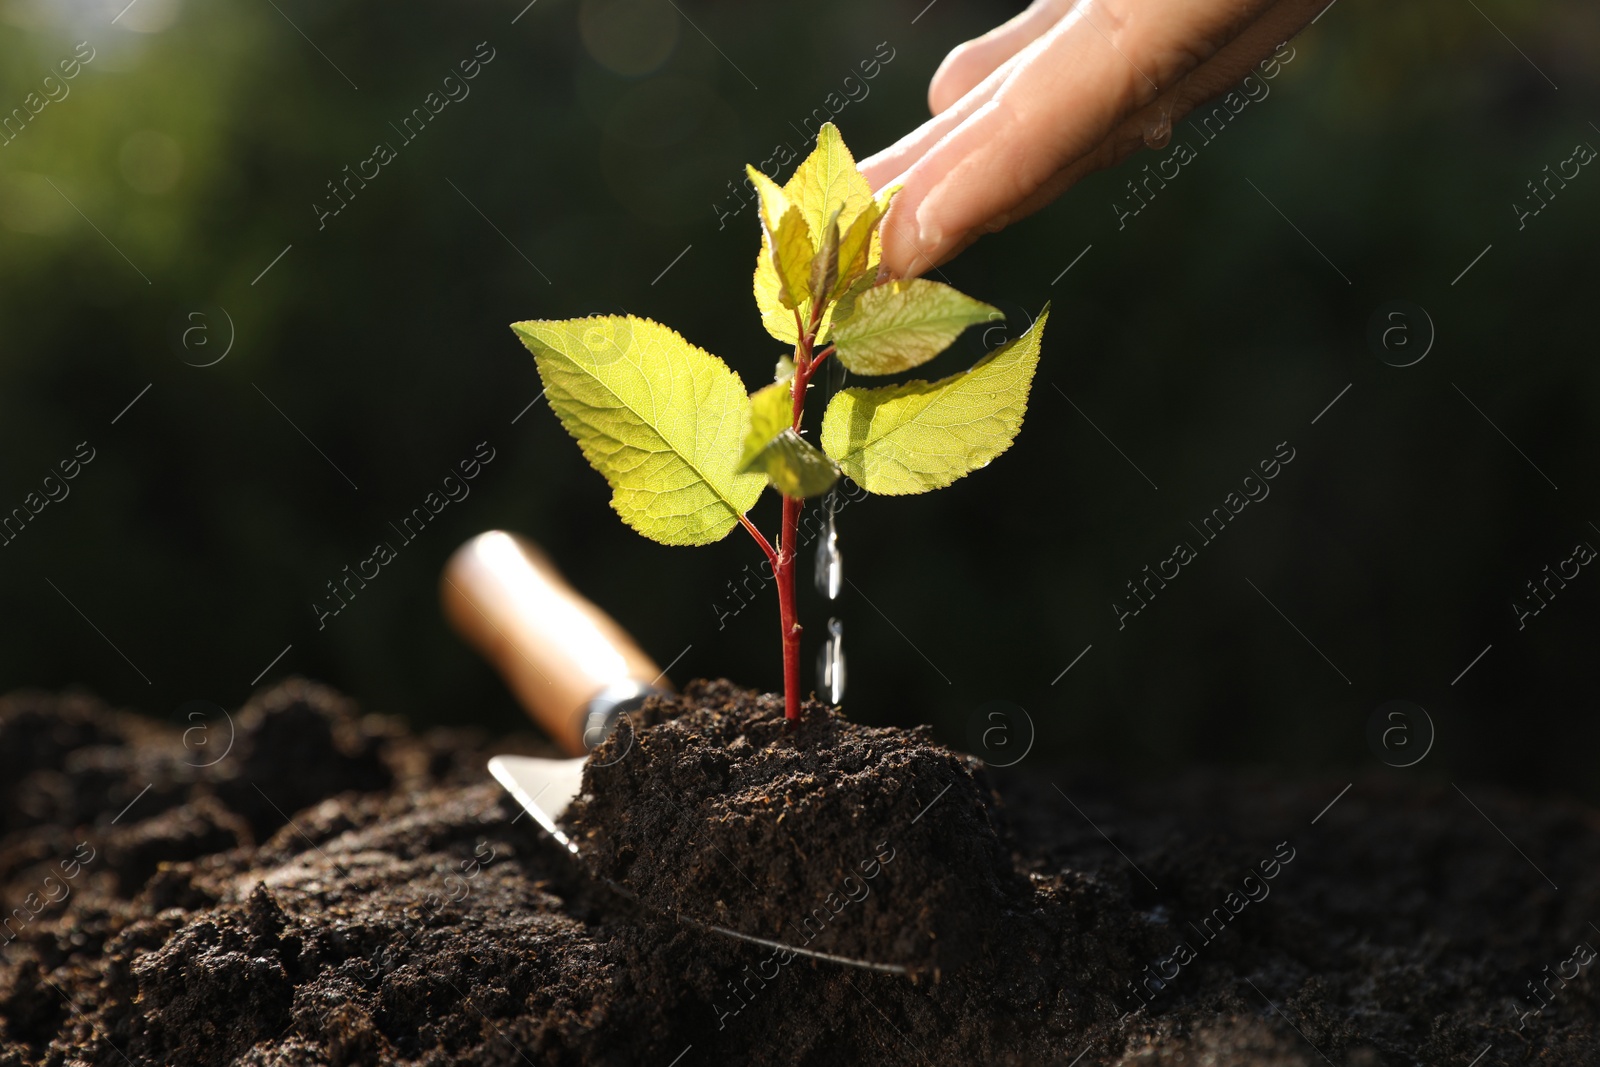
x: 783, y: 566
x: 787, y: 618
x: 772, y: 556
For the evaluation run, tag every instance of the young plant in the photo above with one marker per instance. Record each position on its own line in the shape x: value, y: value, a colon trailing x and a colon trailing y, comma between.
x: 687, y: 452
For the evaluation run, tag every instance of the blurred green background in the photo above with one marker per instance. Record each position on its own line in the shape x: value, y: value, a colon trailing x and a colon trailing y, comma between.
x: 599, y: 144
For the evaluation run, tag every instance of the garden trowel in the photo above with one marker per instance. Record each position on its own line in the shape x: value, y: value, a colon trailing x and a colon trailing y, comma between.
x: 571, y: 666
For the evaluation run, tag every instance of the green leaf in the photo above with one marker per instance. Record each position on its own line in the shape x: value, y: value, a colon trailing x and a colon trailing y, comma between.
x: 796, y: 468
x: 900, y: 325
x: 771, y: 413
x: 786, y: 241
x: 773, y: 201
x: 792, y: 259
x: 859, y: 247
x: 778, y: 319
x: 924, y: 435
x: 825, y: 264
x: 661, y: 419
x: 845, y: 306
x: 828, y: 181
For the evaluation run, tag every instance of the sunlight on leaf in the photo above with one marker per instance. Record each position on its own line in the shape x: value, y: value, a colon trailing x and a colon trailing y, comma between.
x: 795, y: 467
x: 786, y: 241
x: 778, y: 320
x: 828, y: 181
x: 900, y: 325
x: 825, y: 184
x: 661, y: 419
x: 924, y: 435
x: 859, y: 246
x: 825, y: 264
x: 771, y: 412
x: 792, y: 259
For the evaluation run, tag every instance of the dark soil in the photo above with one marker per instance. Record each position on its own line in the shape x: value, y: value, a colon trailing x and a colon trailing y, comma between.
x: 336, y: 890
x: 872, y: 843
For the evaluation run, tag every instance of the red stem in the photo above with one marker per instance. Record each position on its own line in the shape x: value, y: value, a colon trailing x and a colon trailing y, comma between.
x: 766, y: 546
x: 784, y: 562
x: 787, y: 617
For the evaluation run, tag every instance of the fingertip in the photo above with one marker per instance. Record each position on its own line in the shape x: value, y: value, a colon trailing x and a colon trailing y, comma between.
x: 915, y: 241
x: 893, y: 263
x: 901, y: 257
x: 947, y: 84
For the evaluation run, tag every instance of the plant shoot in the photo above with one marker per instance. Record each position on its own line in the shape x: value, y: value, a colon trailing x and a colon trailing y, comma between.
x: 687, y: 451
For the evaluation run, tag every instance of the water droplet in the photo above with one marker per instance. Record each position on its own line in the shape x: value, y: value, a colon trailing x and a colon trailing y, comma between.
x: 1158, y: 131
x: 830, y: 664
x: 829, y: 572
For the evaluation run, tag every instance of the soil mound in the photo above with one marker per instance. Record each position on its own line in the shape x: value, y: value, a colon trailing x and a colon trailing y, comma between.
x: 876, y: 844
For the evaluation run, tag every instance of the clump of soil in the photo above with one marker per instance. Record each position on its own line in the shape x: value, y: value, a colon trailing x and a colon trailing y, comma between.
x: 872, y: 843
x: 407, y: 913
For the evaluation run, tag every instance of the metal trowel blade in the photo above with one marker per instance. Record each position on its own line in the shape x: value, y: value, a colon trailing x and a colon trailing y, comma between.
x: 544, y: 788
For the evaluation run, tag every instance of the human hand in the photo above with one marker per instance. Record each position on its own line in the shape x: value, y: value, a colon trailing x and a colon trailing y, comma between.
x: 1065, y: 88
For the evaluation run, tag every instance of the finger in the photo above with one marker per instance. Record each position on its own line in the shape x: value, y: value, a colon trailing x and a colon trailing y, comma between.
x: 895, y: 160
x: 1206, y: 82
x: 972, y: 61
x: 1056, y: 101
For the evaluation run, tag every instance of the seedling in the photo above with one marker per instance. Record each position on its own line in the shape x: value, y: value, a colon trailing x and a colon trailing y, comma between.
x: 687, y: 452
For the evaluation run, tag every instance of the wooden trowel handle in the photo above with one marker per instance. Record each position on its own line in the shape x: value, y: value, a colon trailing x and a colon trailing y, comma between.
x: 555, y: 649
